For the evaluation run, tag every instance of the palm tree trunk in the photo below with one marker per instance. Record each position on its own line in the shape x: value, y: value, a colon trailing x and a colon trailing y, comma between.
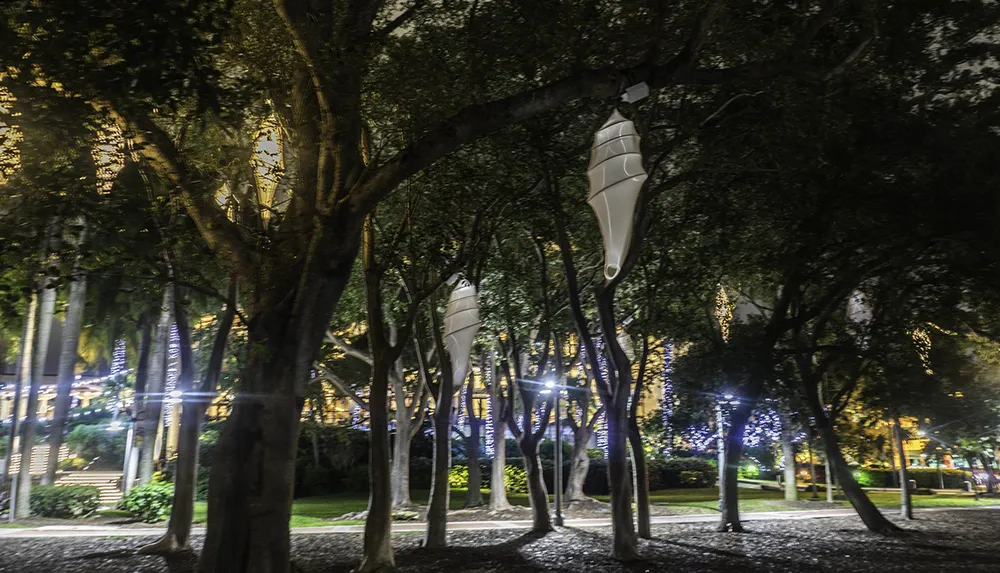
x: 67, y: 372
x: 153, y: 403
x: 46, y: 308
x: 23, y: 374
x: 193, y: 407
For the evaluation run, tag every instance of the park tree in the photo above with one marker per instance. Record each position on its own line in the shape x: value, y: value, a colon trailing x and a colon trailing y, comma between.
x: 330, y: 59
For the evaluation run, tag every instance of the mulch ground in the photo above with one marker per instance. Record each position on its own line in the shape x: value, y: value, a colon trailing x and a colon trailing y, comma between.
x: 955, y: 541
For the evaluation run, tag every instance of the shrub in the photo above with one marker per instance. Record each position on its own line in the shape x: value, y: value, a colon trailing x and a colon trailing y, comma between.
x: 95, y: 442
x: 926, y: 478
x: 356, y: 479
x: 75, y: 463
x: 458, y: 477
x: 67, y: 502
x: 670, y: 473
x: 516, y: 478
x: 689, y: 478
x: 149, y: 503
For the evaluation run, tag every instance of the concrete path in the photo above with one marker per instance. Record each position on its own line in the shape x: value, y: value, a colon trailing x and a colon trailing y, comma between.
x: 402, y: 527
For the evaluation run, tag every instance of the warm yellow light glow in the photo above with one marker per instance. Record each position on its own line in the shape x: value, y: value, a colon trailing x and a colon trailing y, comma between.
x: 109, y: 156
x: 224, y: 196
x: 10, y: 136
x: 268, y: 163
x: 922, y: 342
x: 723, y: 312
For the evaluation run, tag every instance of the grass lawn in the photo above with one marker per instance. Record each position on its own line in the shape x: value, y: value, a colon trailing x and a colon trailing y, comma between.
x: 320, y: 510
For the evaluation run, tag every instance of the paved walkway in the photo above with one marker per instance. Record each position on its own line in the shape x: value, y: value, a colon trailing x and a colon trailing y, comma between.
x: 402, y: 527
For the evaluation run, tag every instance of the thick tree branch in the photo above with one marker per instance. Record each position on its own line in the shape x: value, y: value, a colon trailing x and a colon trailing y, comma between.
x: 404, y: 17
x: 480, y: 119
x: 328, y: 375
x: 348, y: 349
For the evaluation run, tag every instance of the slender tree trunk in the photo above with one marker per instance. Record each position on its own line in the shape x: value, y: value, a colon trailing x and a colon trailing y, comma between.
x: 193, y: 409
x: 377, y: 542
x: 906, y: 504
x: 729, y: 488
x: 991, y: 480
x: 788, y: 450
x: 812, y: 466
x: 475, y: 495
x: 437, y: 512
x: 141, y: 378
x: 579, y: 464
x: 401, y: 460
x: 541, y: 521
x: 46, y: 307
x: 153, y: 404
x: 498, y: 475
x: 67, y: 372
x: 892, y: 457
x: 641, y: 479
x: 23, y: 374
x: 869, y: 514
x: 622, y: 526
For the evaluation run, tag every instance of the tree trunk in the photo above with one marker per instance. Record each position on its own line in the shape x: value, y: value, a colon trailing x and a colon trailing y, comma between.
x: 788, y: 450
x: 498, y: 475
x: 729, y: 488
x: 991, y: 480
x: 23, y: 374
x: 812, y: 466
x: 869, y: 514
x: 67, y: 372
x: 377, y: 541
x: 892, y: 458
x: 641, y: 480
x: 153, y: 404
x: 46, y: 307
x: 541, y: 521
x: 401, y: 460
x: 579, y: 464
x: 475, y: 494
x: 623, y: 528
x: 186, y: 471
x: 437, y: 512
x: 906, y: 504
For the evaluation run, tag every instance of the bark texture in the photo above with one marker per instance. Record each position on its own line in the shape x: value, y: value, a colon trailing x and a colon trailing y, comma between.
x: 67, y: 371
x: 788, y: 450
x: 23, y: 375
x: 475, y: 495
x: 152, y: 410
x: 29, y: 428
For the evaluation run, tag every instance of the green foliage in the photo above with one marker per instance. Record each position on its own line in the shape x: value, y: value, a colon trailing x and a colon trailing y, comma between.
x: 66, y: 502
x: 926, y: 478
x: 458, y: 476
x: 149, y: 503
x: 516, y: 479
x: 75, y: 463
x: 94, y: 441
x: 693, y: 479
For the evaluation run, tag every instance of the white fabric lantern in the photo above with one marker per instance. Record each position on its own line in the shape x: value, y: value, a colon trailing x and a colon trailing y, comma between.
x: 616, y: 176
x: 858, y: 310
x: 625, y: 341
x: 268, y: 162
x: 461, y: 323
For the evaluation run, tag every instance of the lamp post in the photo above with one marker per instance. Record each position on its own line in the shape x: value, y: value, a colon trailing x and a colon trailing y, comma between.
x: 557, y: 473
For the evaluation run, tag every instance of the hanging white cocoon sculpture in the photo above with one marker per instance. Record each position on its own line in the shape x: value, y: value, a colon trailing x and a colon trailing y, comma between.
x: 268, y: 163
x: 461, y: 323
x: 616, y: 176
x: 858, y: 310
x: 625, y: 341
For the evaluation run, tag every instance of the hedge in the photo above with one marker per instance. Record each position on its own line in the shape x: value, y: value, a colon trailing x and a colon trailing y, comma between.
x: 66, y: 502
x: 926, y: 478
x: 149, y: 503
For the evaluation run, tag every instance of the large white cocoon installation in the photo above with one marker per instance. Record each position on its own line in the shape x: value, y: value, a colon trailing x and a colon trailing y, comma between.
x: 858, y: 310
x: 616, y: 176
x: 461, y: 323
